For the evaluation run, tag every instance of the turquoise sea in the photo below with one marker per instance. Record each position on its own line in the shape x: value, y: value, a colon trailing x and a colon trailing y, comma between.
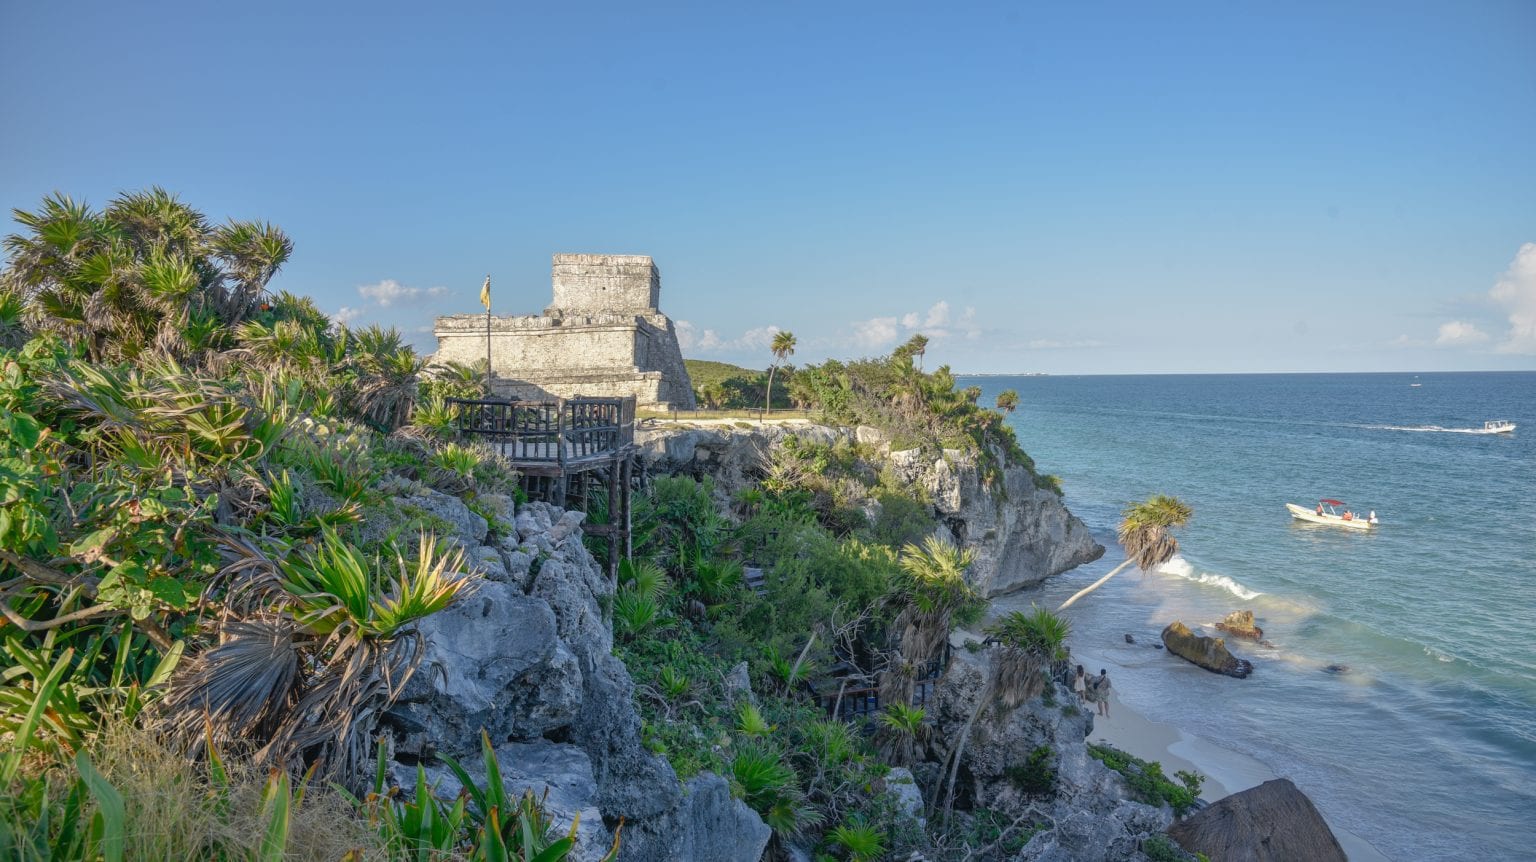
x: 1426, y: 744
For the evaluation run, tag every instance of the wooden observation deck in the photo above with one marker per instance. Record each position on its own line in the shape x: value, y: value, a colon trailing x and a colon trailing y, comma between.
x: 575, y: 453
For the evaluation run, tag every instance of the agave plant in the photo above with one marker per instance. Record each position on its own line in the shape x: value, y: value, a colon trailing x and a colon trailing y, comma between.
x: 326, y: 642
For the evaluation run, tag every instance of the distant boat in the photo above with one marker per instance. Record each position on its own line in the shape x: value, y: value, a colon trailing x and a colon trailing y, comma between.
x: 1327, y: 512
x: 1415, y: 385
x: 1498, y: 426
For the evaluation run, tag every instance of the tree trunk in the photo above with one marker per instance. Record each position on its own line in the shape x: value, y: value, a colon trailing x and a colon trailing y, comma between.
x: 1093, y: 586
x: 768, y: 401
x: 954, y: 768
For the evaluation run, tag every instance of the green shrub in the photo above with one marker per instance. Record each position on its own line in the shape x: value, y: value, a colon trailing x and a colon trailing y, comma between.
x: 1147, y: 782
x: 857, y: 840
x: 634, y: 612
x: 1036, y: 774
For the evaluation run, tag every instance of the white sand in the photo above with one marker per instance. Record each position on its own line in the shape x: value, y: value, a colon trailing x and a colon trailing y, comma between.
x: 1226, y: 771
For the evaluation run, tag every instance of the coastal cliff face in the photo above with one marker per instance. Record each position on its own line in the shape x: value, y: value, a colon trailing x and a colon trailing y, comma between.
x: 1087, y: 817
x: 528, y: 657
x: 1021, y: 533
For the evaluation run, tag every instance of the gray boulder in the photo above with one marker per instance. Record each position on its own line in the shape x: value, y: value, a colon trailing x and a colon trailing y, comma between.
x: 1273, y: 822
x: 491, y: 660
x: 709, y: 825
x: 464, y: 525
x: 1209, y: 653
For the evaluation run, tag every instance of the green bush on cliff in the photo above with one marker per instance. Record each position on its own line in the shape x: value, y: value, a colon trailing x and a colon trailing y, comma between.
x: 1147, y: 781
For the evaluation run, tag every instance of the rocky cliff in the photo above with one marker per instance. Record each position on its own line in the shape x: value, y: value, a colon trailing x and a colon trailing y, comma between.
x: 528, y: 658
x: 1021, y: 533
x: 1086, y: 816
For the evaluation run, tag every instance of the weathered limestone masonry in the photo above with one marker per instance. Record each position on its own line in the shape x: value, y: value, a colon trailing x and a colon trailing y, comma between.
x: 602, y: 336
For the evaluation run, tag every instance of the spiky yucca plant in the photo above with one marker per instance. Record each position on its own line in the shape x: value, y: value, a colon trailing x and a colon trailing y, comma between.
x: 325, y: 643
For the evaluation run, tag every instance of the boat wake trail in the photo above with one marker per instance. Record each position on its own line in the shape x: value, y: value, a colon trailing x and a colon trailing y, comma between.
x: 1180, y: 567
x: 1429, y: 428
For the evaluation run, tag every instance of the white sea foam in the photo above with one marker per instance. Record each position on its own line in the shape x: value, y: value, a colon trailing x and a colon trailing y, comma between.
x: 1439, y: 656
x: 1432, y: 428
x: 1180, y: 567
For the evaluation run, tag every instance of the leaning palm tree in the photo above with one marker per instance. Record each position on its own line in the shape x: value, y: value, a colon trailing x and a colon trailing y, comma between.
x: 1008, y: 400
x: 1144, y: 533
x: 783, y: 347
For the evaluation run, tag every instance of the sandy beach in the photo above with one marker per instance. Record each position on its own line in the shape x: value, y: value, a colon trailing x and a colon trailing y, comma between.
x: 1226, y: 771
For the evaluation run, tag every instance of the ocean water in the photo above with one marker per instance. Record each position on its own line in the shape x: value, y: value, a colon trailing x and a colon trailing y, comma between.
x: 1426, y: 744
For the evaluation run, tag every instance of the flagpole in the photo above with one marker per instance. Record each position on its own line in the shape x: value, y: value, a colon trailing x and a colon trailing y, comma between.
x: 485, y: 297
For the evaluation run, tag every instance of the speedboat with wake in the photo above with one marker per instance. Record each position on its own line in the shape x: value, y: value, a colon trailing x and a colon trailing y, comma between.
x: 1332, y: 513
x: 1498, y: 426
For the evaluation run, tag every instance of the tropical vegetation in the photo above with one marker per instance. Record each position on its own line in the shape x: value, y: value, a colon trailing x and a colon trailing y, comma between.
x: 1146, y: 534
x: 204, y: 563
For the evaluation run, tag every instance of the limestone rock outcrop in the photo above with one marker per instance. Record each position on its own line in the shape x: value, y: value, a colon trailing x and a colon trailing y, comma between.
x: 1207, y: 652
x: 1239, y: 624
x: 1274, y: 822
x: 1021, y: 534
x: 1093, y: 819
x: 527, y: 657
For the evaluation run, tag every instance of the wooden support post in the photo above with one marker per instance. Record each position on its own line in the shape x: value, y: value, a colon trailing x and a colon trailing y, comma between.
x: 614, y: 535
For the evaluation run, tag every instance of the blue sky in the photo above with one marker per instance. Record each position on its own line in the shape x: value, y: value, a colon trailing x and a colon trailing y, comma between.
x: 1088, y: 187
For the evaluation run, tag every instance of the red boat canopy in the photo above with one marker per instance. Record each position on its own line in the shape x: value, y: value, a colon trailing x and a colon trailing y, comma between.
x: 1332, y: 502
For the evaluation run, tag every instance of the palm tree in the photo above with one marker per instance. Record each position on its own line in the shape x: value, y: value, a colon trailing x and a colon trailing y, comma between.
x: 783, y: 347
x: 148, y: 273
x: 916, y: 346
x: 1007, y: 401
x: 933, y: 590
x: 1144, y: 533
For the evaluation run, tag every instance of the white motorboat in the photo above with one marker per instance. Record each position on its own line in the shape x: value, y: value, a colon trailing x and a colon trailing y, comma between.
x: 1333, y: 514
x: 1498, y: 426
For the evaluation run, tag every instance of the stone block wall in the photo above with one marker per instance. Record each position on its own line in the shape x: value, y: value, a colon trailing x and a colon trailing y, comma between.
x: 603, y: 336
x: 604, y: 283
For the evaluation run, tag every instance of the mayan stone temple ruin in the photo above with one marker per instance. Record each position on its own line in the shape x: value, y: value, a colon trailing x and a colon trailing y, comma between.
x: 602, y: 336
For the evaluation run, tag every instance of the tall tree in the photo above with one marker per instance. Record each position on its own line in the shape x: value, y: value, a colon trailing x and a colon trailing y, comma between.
x: 783, y: 347
x: 1144, y: 533
x: 1008, y: 401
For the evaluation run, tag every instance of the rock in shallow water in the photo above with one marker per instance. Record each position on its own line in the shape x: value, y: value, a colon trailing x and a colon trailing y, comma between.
x: 1273, y: 822
x: 1239, y: 624
x: 1209, y: 653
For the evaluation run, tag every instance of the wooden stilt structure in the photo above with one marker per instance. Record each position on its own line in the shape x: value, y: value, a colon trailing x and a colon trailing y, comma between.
x: 570, y: 452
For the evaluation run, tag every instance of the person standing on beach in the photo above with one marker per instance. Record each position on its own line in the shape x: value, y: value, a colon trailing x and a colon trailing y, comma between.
x: 1101, y: 692
x: 1080, y: 685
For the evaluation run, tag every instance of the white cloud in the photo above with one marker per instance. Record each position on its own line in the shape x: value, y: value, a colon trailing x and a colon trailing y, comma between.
x: 347, y: 314
x: 876, y: 332
x: 938, y: 323
x: 390, y: 292
x: 1516, y: 291
x: 1457, y: 333
x: 695, y: 340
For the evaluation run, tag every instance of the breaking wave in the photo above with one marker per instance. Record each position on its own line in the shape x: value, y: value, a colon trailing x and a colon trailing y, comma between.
x: 1180, y: 567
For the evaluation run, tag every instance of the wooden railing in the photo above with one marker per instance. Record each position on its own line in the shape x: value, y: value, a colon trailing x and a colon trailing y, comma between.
x: 553, y: 433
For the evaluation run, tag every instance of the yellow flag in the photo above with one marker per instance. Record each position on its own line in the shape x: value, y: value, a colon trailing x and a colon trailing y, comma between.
x: 485, y: 293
